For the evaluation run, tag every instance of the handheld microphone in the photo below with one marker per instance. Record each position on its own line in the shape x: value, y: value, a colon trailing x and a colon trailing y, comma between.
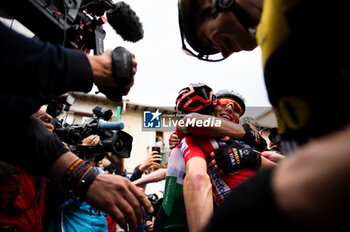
x: 125, y: 22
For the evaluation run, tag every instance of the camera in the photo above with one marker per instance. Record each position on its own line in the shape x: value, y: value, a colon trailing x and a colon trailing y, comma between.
x: 111, y: 168
x: 78, y: 24
x: 112, y: 138
x: 156, y: 202
x: 75, y: 23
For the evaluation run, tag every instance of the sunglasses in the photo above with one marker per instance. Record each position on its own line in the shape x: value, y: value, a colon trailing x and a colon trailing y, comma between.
x: 227, y: 102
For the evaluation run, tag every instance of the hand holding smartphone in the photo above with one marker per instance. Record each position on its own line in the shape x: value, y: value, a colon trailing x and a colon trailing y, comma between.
x: 157, y: 149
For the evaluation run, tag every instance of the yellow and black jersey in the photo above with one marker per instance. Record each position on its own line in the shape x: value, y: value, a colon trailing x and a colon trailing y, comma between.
x: 306, y: 59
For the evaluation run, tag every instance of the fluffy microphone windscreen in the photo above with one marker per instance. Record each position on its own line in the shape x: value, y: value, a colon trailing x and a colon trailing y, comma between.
x: 125, y: 22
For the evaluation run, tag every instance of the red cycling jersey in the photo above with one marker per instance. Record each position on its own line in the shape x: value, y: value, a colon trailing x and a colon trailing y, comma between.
x: 194, y: 146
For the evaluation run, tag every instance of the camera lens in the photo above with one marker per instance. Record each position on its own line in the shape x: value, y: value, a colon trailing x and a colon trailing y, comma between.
x: 119, y: 144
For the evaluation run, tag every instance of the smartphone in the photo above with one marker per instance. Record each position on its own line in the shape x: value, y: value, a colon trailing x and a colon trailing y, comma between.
x: 158, y: 150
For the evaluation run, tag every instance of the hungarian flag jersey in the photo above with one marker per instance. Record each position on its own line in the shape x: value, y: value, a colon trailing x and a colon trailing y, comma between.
x: 173, y: 202
x: 194, y: 146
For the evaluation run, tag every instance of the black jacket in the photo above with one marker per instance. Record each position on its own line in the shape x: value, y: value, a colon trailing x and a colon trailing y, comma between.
x: 32, y: 73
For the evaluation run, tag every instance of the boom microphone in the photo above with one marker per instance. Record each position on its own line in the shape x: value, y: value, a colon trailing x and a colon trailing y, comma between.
x: 125, y: 22
x: 104, y: 126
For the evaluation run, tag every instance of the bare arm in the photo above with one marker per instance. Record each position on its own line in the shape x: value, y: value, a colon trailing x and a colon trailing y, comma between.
x: 312, y: 186
x: 227, y: 128
x: 197, y: 194
x: 266, y: 163
x: 273, y: 156
x: 153, y: 177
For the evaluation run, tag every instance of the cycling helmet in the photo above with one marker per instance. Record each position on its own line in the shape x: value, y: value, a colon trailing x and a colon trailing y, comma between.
x: 225, y: 93
x: 195, y: 98
x: 188, y: 15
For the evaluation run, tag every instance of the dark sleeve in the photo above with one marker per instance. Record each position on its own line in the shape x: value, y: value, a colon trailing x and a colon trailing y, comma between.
x: 249, y: 206
x: 136, y: 175
x: 31, y: 146
x: 33, y: 72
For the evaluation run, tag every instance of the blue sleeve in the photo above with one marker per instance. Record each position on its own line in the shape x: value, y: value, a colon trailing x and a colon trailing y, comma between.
x: 34, y: 72
x: 136, y: 175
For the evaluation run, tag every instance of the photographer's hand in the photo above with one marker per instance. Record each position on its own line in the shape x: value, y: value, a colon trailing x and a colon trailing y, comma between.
x: 120, y: 198
x: 112, y: 194
x: 91, y: 140
x: 101, y: 66
x: 102, y: 70
x: 118, y: 162
x: 45, y: 118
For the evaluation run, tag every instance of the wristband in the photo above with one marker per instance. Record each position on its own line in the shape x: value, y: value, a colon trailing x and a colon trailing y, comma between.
x: 85, y: 181
x: 66, y: 177
x: 79, y: 176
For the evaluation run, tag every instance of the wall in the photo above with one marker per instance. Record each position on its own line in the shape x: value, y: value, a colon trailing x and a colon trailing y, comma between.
x: 131, y: 116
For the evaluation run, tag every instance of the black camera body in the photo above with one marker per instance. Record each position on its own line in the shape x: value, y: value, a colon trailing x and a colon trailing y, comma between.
x: 55, y: 21
x: 75, y: 23
x: 156, y: 202
x: 112, y: 138
x: 78, y: 24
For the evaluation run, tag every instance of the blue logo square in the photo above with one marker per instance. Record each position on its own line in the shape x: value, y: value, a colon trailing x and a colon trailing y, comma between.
x: 151, y: 119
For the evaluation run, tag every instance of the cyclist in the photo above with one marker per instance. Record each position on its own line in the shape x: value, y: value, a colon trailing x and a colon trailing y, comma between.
x: 192, y: 158
x: 172, y: 215
x: 291, y: 38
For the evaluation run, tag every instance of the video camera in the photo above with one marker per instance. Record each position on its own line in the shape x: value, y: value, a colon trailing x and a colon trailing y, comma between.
x: 78, y: 24
x: 75, y: 23
x: 55, y: 107
x: 156, y: 203
x: 112, y: 138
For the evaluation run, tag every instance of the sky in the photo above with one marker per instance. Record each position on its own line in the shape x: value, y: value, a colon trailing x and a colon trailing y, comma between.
x: 163, y: 68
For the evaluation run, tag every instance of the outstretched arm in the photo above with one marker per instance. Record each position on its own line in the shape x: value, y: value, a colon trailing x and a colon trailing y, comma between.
x: 225, y: 129
x: 152, y: 177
